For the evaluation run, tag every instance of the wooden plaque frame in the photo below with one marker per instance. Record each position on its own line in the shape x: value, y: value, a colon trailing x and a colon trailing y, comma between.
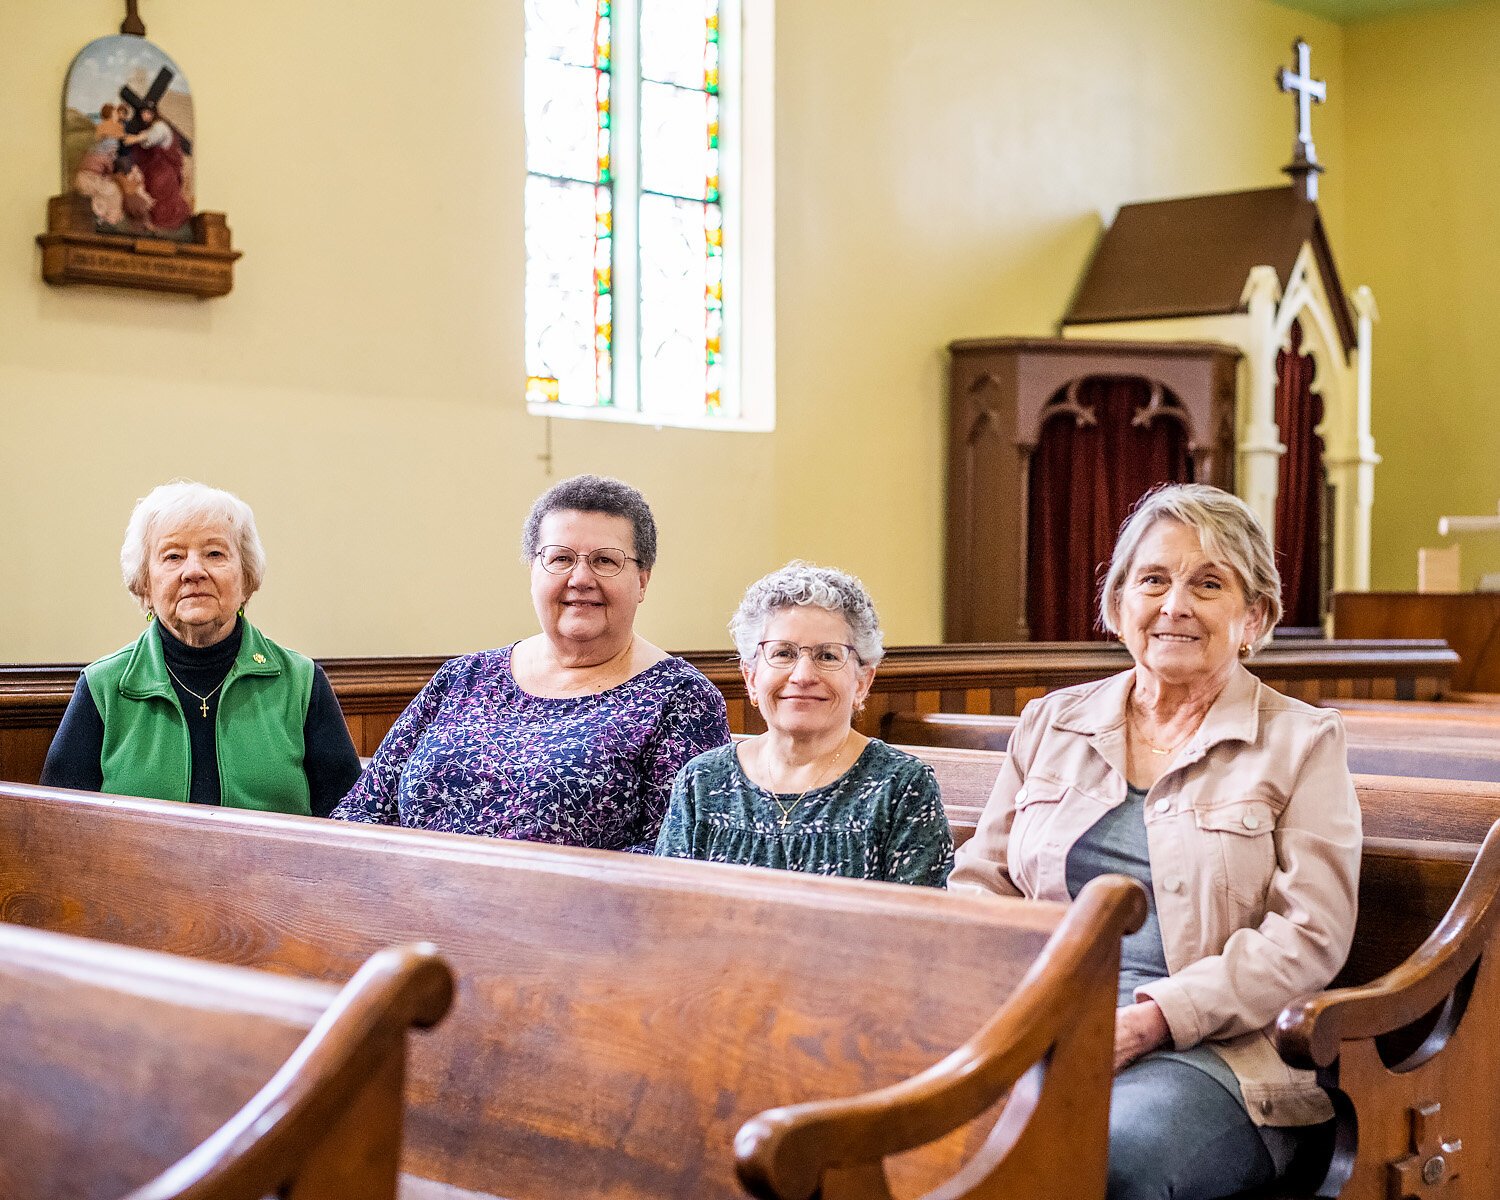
x: 73, y: 251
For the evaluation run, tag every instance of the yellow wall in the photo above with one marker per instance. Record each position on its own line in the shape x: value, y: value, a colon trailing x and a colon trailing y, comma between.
x: 942, y: 171
x: 1423, y: 225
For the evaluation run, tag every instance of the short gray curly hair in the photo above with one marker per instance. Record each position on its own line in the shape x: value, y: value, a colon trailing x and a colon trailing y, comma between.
x: 802, y: 585
x: 184, y: 502
x: 1228, y: 531
x: 596, y: 494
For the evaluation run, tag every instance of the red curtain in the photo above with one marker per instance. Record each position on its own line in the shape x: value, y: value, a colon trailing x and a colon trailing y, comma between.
x: 1084, y: 480
x: 1299, y: 497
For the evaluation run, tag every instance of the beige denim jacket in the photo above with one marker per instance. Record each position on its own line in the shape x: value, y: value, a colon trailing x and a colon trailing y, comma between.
x: 1254, y: 840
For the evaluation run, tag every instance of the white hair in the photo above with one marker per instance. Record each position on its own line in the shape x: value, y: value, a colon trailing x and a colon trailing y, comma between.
x: 1227, y: 529
x: 183, y: 502
x: 802, y: 585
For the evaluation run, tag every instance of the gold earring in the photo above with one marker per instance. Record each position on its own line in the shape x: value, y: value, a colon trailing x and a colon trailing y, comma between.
x: 1245, y: 650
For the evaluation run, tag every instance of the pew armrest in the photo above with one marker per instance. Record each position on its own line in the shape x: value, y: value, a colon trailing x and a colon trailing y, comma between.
x: 783, y: 1154
x: 262, y: 1147
x: 1310, y: 1031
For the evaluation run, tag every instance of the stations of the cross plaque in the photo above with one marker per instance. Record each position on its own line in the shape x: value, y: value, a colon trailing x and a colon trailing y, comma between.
x: 1304, y: 167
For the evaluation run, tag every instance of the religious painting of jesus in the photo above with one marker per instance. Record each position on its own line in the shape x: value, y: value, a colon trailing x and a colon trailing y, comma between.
x: 127, y: 138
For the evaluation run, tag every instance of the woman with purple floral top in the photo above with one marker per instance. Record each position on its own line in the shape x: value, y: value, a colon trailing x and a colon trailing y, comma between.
x: 572, y: 735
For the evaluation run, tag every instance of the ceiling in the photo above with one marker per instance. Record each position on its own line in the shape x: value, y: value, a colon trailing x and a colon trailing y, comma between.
x: 1345, y: 11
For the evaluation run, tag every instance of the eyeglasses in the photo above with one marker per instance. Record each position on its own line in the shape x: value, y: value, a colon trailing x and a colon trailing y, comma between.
x: 826, y: 656
x: 605, y: 562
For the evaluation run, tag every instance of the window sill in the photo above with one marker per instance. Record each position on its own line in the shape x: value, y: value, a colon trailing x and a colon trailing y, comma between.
x: 574, y: 412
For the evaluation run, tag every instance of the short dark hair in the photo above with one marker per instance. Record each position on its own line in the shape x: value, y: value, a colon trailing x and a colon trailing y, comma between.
x: 595, y: 494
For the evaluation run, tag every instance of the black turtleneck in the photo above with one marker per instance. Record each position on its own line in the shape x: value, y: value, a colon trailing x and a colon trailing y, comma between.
x: 197, y: 672
x: 329, y: 756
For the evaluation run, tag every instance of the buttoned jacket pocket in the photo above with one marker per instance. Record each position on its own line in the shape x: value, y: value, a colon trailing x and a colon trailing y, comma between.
x: 1239, y: 833
x: 1037, y: 804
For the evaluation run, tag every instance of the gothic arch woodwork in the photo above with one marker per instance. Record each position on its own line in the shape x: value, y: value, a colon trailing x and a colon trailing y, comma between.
x: 1002, y: 391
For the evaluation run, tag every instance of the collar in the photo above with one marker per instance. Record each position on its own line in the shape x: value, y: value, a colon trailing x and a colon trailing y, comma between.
x: 145, y: 673
x: 1099, y: 714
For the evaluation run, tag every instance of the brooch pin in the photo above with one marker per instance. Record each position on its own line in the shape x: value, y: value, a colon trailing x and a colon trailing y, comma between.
x: 260, y: 658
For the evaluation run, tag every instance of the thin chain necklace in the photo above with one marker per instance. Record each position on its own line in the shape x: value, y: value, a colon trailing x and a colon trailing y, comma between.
x: 788, y: 809
x: 203, y: 699
x: 1152, y: 746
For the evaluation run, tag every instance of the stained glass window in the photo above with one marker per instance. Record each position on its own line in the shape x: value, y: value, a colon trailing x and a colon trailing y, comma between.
x: 625, y: 221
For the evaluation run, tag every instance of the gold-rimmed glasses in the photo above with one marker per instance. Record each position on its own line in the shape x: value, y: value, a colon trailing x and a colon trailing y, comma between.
x: 605, y: 562
x: 826, y: 656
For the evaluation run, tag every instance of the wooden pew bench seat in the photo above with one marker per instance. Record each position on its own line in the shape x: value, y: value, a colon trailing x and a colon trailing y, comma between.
x: 129, y: 1073
x: 619, y: 1021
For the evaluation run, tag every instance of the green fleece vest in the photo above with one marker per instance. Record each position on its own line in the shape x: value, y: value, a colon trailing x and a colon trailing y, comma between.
x: 261, y: 712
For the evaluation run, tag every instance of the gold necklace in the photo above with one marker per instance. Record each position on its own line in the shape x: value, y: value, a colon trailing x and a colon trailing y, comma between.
x: 788, y: 809
x: 1152, y: 746
x: 203, y: 699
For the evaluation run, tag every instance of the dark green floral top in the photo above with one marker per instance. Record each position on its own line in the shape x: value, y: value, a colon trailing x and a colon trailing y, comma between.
x: 882, y: 819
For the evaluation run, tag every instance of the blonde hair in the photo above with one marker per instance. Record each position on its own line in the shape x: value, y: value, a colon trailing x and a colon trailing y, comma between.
x: 184, y: 502
x: 1227, y: 529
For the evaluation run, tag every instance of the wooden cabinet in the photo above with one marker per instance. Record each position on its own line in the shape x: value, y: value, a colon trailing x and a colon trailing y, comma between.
x: 1001, y: 393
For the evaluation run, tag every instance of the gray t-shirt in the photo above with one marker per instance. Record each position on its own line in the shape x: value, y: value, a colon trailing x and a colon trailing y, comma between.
x: 1116, y: 845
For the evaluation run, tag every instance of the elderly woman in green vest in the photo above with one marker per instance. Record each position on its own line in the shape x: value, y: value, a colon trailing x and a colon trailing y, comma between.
x: 202, y: 707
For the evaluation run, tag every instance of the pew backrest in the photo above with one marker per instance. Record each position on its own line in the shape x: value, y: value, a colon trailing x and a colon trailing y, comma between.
x: 617, y: 1018
x: 1383, y: 744
x: 977, y: 677
x: 129, y: 1073
x: 1451, y: 810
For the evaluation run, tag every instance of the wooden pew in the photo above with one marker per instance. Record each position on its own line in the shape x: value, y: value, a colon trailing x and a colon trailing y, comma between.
x: 1467, y: 707
x: 1390, y: 723
x: 618, y: 1019
x: 974, y: 678
x: 1418, y: 965
x: 1406, y: 1038
x: 1378, y: 744
x: 126, y: 1071
x: 1393, y: 807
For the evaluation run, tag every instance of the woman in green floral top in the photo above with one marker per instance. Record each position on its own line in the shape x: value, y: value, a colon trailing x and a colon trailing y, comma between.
x: 810, y: 794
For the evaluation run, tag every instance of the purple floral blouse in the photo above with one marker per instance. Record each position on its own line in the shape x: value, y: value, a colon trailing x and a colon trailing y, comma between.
x: 473, y: 753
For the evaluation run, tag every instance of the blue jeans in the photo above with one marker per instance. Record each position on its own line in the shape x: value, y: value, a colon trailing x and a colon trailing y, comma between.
x: 1176, y: 1134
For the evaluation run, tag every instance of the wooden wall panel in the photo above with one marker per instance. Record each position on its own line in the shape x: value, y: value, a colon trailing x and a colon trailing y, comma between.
x: 981, y: 677
x: 1467, y: 621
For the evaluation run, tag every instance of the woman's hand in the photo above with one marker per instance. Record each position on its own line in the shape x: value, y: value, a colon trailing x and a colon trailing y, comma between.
x: 1139, y: 1029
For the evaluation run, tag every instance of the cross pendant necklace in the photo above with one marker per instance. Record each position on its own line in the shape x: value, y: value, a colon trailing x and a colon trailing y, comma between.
x: 787, y: 809
x: 202, y: 699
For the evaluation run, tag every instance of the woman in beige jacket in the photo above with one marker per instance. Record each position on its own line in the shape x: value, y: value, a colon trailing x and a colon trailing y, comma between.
x: 1233, y: 804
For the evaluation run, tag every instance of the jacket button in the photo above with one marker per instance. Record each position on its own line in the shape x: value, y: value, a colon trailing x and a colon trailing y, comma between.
x: 1252, y: 821
x: 1021, y: 796
x: 1265, y: 1108
x: 1162, y: 805
x: 1172, y: 884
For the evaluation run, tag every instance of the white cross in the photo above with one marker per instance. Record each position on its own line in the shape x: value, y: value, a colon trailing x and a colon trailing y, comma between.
x: 1308, y: 89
